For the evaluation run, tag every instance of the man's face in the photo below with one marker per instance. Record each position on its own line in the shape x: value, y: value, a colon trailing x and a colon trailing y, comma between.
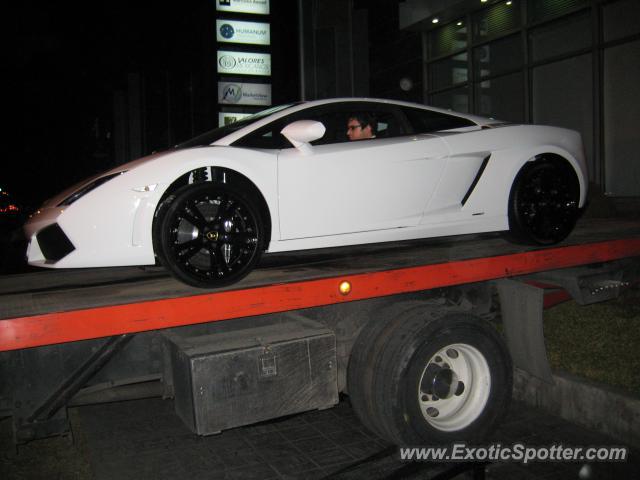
x: 355, y: 131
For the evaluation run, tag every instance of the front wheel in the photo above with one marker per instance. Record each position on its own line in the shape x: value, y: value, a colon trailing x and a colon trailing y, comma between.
x: 210, y: 235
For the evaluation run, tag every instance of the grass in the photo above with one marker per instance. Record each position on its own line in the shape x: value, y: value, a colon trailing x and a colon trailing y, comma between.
x: 598, y: 342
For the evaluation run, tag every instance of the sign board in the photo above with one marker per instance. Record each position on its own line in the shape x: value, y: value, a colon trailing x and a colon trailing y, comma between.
x: 244, y: 63
x: 225, y: 118
x: 237, y: 93
x: 260, y: 7
x: 252, y: 33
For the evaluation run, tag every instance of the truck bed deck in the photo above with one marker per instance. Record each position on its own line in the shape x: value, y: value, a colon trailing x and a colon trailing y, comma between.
x: 54, y: 306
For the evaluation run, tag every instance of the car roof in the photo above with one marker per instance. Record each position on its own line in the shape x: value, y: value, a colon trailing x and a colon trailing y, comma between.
x: 232, y: 137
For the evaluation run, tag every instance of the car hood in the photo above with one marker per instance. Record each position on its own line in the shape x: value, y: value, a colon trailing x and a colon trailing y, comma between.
x: 56, y: 199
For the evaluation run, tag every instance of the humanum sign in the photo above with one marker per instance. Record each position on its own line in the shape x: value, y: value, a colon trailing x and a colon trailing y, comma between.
x: 233, y: 31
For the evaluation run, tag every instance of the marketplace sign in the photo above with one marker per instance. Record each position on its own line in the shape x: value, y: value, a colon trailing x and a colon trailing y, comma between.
x: 237, y: 93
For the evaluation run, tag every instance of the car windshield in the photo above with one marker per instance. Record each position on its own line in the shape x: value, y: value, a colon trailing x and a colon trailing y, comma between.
x: 207, y: 138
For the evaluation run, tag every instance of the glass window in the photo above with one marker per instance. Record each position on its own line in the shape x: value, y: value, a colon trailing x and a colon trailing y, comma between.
x: 447, y: 39
x: 621, y: 19
x: 563, y: 96
x: 207, y: 138
x: 496, y: 20
x: 621, y: 119
x: 568, y: 35
x: 540, y: 9
x: 501, y: 98
x: 456, y: 99
x: 425, y: 121
x: 334, y: 117
x: 268, y: 137
x: 447, y: 72
x: 498, y: 57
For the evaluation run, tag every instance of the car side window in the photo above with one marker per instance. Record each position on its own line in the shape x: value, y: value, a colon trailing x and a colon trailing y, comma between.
x: 388, y: 121
x: 334, y: 117
x: 268, y: 137
x: 427, y: 121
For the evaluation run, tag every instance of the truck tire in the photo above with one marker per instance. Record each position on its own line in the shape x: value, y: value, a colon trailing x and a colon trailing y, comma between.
x: 424, y: 374
x: 441, y: 379
x: 366, y: 350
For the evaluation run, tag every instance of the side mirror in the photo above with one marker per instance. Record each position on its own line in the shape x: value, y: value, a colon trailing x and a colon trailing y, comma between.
x: 302, y: 132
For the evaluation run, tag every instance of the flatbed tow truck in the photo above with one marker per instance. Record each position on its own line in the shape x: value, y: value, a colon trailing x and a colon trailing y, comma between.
x: 406, y: 329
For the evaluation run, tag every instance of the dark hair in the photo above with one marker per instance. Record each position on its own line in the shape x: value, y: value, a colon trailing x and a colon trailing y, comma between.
x: 365, y: 119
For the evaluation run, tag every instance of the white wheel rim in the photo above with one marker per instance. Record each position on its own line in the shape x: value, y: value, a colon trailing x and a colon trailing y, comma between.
x: 454, y: 387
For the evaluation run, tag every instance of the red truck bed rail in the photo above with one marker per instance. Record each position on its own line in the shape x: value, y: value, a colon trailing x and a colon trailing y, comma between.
x: 38, y: 329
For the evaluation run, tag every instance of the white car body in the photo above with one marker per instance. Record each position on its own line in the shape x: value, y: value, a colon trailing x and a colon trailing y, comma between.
x: 382, y: 189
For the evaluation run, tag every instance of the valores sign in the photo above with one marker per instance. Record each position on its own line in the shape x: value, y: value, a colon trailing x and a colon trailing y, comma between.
x: 244, y: 93
x: 244, y: 63
x: 243, y: 6
x: 253, y: 33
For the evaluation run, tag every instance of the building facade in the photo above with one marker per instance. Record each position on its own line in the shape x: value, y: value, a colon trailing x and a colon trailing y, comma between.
x: 569, y: 63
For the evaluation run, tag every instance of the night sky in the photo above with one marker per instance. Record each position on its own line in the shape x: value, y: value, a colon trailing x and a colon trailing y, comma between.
x: 63, y: 64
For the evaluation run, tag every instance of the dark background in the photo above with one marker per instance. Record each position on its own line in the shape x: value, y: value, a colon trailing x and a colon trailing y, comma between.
x: 66, y: 65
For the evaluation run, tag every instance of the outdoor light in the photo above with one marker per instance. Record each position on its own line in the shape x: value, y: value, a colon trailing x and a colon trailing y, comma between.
x: 459, y: 24
x: 435, y: 20
x: 406, y: 84
x: 509, y: 2
x: 345, y: 288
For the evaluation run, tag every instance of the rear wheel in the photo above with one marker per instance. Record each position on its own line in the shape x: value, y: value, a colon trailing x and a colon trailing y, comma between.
x: 209, y: 235
x: 437, y: 378
x: 362, y: 360
x: 543, y: 204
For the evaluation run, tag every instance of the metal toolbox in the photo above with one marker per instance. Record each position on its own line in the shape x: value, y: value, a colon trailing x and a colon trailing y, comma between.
x: 225, y: 380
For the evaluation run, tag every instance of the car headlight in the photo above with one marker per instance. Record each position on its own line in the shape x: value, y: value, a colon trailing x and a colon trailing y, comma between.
x: 87, y: 188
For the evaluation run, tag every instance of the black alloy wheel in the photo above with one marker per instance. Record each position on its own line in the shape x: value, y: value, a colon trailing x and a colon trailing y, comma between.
x: 210, y: 235
x: 543, y: 205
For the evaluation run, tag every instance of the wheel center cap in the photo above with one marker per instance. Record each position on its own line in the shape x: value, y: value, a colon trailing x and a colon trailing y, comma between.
x: 445, y: 383
x: 212, y: 236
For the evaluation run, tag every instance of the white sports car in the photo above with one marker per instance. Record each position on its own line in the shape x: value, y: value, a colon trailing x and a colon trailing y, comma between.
x: 290, y: 178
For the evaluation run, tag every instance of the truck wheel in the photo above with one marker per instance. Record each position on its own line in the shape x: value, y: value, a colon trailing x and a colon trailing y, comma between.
x: 367, y: 350
x: 440, y: 379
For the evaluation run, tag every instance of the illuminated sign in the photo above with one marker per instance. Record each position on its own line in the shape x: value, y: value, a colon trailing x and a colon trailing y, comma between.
x: 243, y: 6
x: 244, y: 63
x: 253, y: 33
x: 226, y: 118
x: 244, y: 93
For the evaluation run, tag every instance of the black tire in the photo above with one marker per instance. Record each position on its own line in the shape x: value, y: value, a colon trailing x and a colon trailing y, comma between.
x: 543, y: 203
x: 161, y: 211
x: 441, y: 378
x: 209, y: 234
x: 364, y: 353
